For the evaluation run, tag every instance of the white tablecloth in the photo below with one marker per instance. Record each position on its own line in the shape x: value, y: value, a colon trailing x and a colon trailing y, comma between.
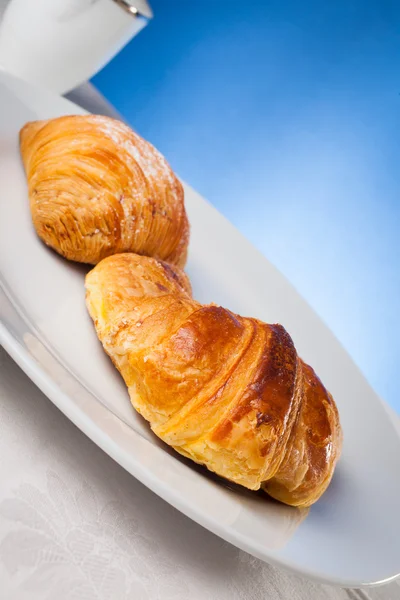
x: 75, y: 526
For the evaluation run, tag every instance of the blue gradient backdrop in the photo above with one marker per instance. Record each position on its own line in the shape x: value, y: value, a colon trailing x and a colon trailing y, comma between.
x: 286, y: 116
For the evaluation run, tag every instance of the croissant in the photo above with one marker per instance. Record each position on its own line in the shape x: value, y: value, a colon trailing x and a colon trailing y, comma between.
x: 96, y: 189
x: 226, y: 391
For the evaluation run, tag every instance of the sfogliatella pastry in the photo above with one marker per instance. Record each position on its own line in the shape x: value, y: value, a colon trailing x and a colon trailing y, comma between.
x: 226, y: 391
x: 96, y: 189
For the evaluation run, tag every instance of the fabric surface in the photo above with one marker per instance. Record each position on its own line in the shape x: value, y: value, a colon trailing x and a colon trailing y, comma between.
x: 75, y: 526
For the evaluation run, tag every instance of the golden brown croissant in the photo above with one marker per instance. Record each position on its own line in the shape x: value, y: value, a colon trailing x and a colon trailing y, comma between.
x: 96, y: 189
x: 227, y: 391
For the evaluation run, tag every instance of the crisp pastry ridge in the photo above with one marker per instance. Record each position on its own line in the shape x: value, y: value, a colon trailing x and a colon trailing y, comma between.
x: 96, y: 188
x: 227, y: 391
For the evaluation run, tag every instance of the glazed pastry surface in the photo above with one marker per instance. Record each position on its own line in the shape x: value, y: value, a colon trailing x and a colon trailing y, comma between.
x: 229, y: 392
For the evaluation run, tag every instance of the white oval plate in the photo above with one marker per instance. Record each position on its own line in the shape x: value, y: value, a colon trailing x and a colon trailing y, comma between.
x: 351, y: 537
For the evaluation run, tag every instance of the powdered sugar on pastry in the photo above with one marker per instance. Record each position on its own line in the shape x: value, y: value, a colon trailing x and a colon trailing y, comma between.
x: 97, y: 188
x: 151, y: 162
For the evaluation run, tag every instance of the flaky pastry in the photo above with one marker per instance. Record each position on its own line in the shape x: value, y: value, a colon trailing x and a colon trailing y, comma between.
x: 226, y: 391
x: 96, y: 188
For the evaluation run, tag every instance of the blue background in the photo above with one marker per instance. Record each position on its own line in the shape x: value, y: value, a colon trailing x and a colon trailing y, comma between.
x: 286, y: 116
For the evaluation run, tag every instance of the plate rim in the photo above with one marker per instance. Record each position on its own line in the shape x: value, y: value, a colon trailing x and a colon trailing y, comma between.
x: 129, y: 461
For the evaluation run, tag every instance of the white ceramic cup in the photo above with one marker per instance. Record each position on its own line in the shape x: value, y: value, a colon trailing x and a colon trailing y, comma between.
x: 59, y: 44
